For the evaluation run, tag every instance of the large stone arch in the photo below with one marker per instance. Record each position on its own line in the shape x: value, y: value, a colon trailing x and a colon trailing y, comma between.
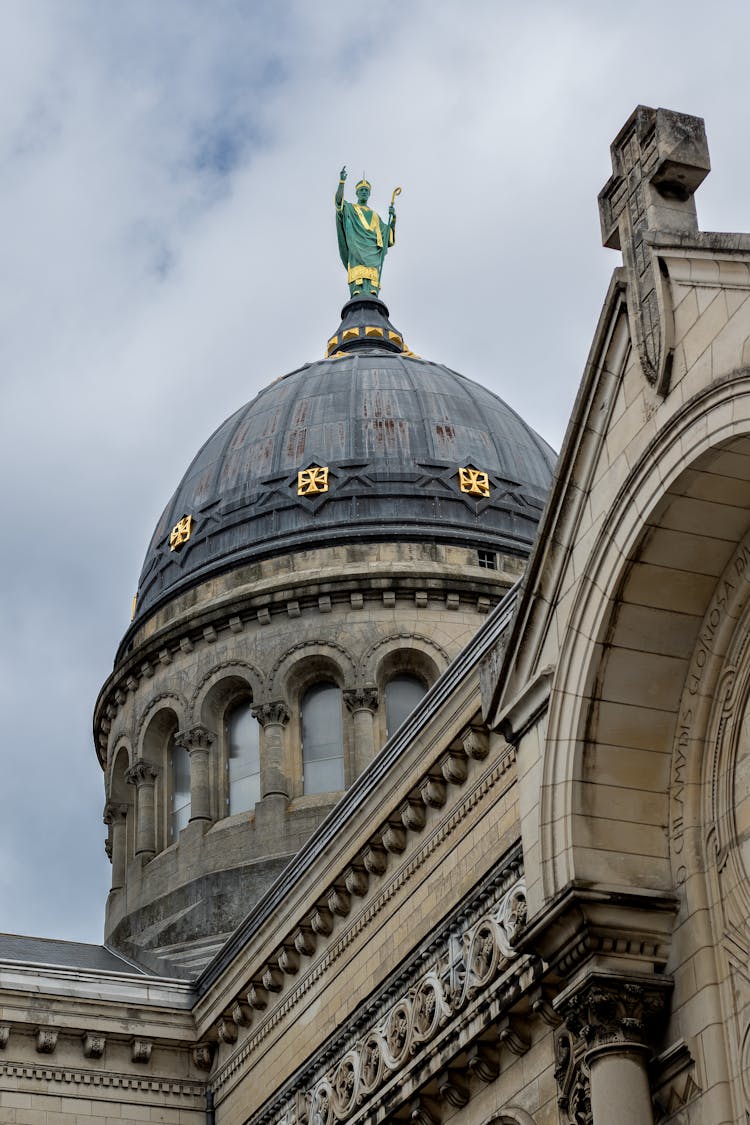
x: 643, y: 592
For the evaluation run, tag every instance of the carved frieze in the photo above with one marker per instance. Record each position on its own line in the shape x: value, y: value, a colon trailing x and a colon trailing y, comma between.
x: 483, y: 952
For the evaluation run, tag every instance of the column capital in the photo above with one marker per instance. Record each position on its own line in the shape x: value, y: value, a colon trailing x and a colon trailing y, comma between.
x: 195, y: 738
x: 114, y: 812
x: 141, y: 772
x: 363, y: 698
x: 272, y: 713
x: 611, y: 1012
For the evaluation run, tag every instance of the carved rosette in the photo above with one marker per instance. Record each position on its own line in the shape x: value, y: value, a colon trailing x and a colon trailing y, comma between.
x: 416, y: 1018
x: 271, y: 714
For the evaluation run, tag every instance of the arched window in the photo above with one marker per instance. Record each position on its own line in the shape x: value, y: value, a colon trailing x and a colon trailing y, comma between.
x: 179, y: 796
x: 243, y: 758
x: 322, y: 739
x: 402, y: 694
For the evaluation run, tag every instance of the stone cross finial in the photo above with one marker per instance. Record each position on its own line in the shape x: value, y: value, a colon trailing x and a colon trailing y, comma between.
x: 659, y: 159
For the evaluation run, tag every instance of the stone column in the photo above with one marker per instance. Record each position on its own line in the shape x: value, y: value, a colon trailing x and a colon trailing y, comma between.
x: 198, y: 741
x: 275, y: 775
x: 115, y: 817
x: 143, y: 776
x: 362, y: 702
x: 611, y: 1022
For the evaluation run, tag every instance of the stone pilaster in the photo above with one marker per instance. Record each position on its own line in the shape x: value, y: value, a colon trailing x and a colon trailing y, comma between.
x: 603, y: 1051
x: 198, y: 741
x: 115, y: 817
x: 143, y: 776
x: 275, y: 775
x: 362, y: 702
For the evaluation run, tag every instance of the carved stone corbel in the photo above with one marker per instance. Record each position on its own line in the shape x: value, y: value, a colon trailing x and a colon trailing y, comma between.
x: 93, y: 1044
x: 46, y: 1040
x: 203, y: 1055
x: 140, y: 1050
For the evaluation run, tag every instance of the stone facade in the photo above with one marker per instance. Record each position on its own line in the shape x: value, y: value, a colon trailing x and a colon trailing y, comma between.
x: 531, y: 906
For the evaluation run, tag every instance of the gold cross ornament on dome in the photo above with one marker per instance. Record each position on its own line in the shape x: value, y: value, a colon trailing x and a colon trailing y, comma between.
x: 474, y: 481
x: 180, y: 533
x: 312, y: 481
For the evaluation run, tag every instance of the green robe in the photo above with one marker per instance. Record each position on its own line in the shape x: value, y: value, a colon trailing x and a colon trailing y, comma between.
x: 361, y: 234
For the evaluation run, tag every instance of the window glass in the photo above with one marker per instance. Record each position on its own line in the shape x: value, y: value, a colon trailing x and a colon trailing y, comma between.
x: 180, y: 791
x: 243, y: 759
x: 322, y: 739
x: 402, y: 694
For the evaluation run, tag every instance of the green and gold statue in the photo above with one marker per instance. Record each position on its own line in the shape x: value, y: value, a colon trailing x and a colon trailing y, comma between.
x: 363, y: 238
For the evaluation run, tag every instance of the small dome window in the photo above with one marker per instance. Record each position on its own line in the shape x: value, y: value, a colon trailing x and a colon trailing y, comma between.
x: 243, y: 758
x: 402, y: 694
x: 322, y: 739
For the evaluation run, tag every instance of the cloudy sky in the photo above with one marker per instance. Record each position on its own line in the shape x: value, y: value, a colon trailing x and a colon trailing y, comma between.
x: 166, y: 178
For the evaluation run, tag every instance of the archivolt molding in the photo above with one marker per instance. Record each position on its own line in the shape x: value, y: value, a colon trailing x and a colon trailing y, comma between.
x: 513, y: 1116
x: 368, y: 662
x: 713, y: 416
x: 120, y: 744
x: 319, y: 924
x: 709, y: 828
x: 714, y: 700
x: 463, y: 967
x: 243, y: 670
x: 166, y: 700
x: 286, y: 662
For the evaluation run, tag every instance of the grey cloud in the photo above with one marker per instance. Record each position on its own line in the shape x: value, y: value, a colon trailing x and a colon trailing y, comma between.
x: 168, y: 249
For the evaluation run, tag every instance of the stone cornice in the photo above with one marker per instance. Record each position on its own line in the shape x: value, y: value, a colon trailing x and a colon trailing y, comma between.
x: 584, y: 923
x: 107, y: 1082
x: 74, y: 985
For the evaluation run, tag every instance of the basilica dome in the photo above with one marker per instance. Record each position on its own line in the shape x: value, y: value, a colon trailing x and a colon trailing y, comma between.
x: 392, y: 430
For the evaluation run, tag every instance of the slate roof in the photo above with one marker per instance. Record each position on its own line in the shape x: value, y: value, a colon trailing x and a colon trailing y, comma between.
x: 392, y: 428
x: 64, y: 954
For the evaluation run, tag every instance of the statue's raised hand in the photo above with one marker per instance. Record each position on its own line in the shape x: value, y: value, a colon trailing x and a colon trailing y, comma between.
x: 342, y: 173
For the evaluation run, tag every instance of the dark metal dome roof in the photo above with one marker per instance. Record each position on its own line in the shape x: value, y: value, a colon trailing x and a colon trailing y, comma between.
x: 393, y: 431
